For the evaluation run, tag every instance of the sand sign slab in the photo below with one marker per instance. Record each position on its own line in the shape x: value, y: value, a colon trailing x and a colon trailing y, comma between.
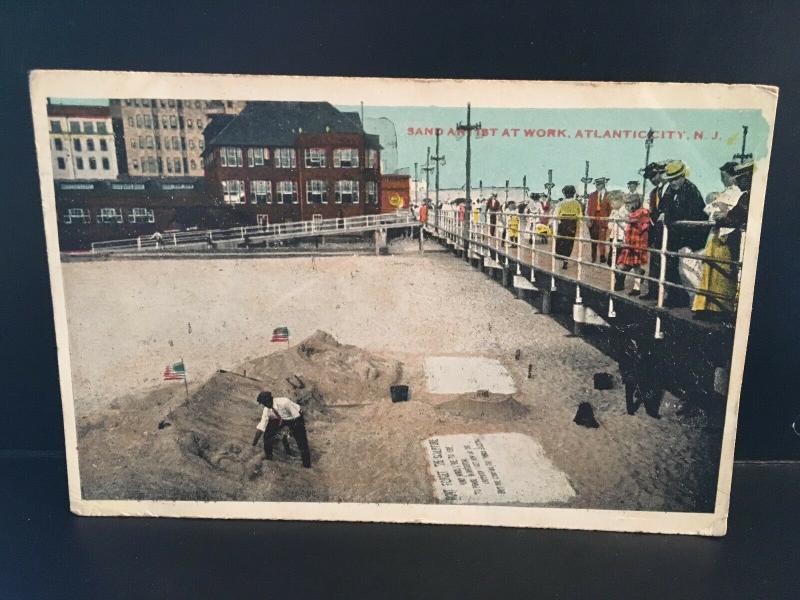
x: 461, y: 374
x: 494, y: 468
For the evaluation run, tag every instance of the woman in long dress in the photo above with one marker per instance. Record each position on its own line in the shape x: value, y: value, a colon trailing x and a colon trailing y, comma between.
x: 719, y: 278
x: 568, y: 211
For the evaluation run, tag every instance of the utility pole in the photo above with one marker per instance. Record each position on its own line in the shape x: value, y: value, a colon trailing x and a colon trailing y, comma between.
x: 743, y: 156
x: 428, y: 168
x: 438, y: 159
x: 586, y: 180
x: 525, y: 188
x: 468, y: 128
x: 648, y: 143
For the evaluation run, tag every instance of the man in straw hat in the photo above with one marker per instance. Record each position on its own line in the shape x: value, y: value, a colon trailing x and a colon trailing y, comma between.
x: 682, y: 202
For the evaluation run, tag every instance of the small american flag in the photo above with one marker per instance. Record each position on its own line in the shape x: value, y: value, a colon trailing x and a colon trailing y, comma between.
x: 175, y: 372
x: 280, y: 334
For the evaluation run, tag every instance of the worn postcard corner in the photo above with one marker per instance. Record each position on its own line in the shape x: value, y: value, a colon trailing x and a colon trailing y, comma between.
x: 505, y: 303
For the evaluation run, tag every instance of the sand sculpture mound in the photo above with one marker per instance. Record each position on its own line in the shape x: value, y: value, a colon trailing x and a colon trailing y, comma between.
x: 201, y: 449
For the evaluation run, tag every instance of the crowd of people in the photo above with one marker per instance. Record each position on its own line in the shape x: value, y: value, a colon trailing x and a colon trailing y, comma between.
x: 703, y: 234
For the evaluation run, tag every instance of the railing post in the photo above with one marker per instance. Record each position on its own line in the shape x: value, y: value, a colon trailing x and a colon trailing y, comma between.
x: 138, y: 244
x: 553, y: 261
x: 242, y: 233
x: 662, y: 274
x: 175, y: 238
x: 578, y: 299
x: 614, y: 233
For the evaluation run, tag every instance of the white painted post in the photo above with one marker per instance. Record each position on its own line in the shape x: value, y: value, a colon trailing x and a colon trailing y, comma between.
x: 138, y: 244
x: 242, y: 232
x: 579, y: 232
x: 662, y: 274
x: 175, y: 239
x: 553, y: 258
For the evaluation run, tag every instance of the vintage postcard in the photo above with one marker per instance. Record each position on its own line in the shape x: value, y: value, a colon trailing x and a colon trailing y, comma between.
x: 505, y: 303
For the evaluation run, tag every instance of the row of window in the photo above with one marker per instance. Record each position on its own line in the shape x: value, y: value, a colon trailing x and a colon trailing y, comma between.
x: 108, y: 215
x: 170, y: 143
x: 58, y: 144
x: 147, y: 102
x: 75, y: 127
x: 345, y: 192
x: 152, y: 164
x: 286, y: 158
x: 61, y: 163
x: 167, y: 122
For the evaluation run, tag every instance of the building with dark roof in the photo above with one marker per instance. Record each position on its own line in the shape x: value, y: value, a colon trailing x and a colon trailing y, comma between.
x: 288, y: 161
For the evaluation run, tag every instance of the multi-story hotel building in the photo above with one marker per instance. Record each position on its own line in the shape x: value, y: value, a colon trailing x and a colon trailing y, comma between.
x: 82, y: 142
x: 289, y: 161
x: 159, y: 137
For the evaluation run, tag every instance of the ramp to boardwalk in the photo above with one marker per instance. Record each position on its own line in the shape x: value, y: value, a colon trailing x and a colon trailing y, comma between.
x: 258, y: 235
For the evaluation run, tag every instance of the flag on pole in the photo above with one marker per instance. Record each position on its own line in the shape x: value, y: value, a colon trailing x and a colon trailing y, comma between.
x: 280, y: 334
x: 175, y: 372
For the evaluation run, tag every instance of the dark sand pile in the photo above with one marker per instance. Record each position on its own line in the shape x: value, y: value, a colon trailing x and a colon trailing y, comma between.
x: 495, y: 407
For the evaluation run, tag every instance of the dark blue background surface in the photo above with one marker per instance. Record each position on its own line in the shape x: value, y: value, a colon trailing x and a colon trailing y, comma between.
x: 45, y: 552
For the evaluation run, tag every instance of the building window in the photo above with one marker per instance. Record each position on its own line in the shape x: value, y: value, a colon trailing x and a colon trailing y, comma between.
x: 74, y: 127
x: 261, y: 191
x: 169, y: 165
x: 164, y: 122
x: 88, y: 127
x: 141, y: 141
x: 139, y: 121
x: 183, y: 143
x: 109, y: 215
x: 372, y: 192
x: 89, y: 144
x: 189, y: 123
x: 106, y: 164
x: 77, y: 145
x: 103, y: 145
x: 135, y: 164
x: 177, y: 165
x: 262, y: 220
x: 315, y: 157
x: 175, y: 145
x: 77, y: 215
x: 193, y: 163
x: 372, y: 159
x: 79, y: 163
x: 167, y: 145
x: 173, y: 121
x: 285, y: 158
x: 55, y: 126
x: 345, y: 157
x: 133, y: 143
x: 148, y: 121
x: 136, y: 102
x: 255, y: 157
x: 199, y: 123
x: 171, y: 103
x: 197, y: 103
x: 101, y: 128
x: 316, y: 192
x: 130, y: 122
x: 92, y: 163
x: 149, y: 141
x: 128, y: 102
x: 57, y: 143
x: 201, y: 144
x: 141, y: 215
x: 61, y: 164
x: 191, y: 144
x: 163, y: 103
x: 346, y: 192
x: 233, y: 191
x: 287, y: 192
x: 230, y: 157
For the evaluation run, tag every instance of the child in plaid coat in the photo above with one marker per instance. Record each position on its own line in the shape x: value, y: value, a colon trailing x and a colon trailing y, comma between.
x: 633, y: 255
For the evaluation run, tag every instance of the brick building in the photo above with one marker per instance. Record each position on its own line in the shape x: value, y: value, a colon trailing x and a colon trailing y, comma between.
x: 159, y: 137
x: 289, y: 161
x: 98, y: 210
x: 82, y: 142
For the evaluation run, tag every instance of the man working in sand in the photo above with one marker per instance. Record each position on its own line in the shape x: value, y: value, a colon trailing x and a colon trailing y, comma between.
x: 279, y: 413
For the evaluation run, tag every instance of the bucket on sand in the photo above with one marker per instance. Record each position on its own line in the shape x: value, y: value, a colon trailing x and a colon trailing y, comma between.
x: 399, y: 393
x: 603, y: 381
